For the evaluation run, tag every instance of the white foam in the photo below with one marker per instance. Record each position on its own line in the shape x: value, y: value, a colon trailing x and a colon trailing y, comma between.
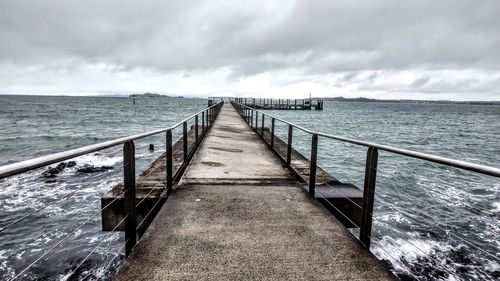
x: 393, y: 216
x: 97, y: 159
x: 492, y: 266
x: 496, y: 207
x: 408, y: 249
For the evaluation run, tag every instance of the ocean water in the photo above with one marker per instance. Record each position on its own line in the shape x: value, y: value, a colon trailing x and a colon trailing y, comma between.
x: 33, y: 126
x: 430, y: 221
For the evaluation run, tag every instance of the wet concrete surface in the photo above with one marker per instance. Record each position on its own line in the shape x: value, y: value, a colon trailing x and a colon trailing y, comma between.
x: 245, y: 218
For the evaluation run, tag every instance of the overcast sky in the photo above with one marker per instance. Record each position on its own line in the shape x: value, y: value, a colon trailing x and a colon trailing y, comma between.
x: 380, y: 49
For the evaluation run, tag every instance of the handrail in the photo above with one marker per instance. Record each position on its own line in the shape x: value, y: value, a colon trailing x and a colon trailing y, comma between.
x: 364, y: 218
x: 128, y: 195
x: 483, y: 169
x: 27, y: 165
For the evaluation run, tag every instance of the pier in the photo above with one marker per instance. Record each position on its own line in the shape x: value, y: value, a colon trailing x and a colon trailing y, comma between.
x: 230, y: 199
x: 277, y: 104
x: 238, y: 214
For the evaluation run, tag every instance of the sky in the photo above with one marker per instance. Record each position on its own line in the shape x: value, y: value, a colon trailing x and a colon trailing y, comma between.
x: 447, y: 49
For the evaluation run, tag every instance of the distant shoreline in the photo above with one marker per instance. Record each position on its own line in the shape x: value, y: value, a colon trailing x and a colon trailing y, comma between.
x: 148, y: 95
x: 338, y: 99
x: 342, y: 99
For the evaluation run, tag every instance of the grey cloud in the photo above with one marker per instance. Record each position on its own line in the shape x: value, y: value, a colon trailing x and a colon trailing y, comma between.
x: 419, y: 82
x: 170, y: 35
x: 249, y: 38
x: 439, y: 84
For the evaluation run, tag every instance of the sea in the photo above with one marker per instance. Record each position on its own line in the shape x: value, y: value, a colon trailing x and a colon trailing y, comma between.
x: 430, y: 221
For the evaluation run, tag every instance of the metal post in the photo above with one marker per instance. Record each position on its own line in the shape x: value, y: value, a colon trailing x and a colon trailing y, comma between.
x: 169, y: 172
x: 312, y: 169
x: 271, y: 103
x: 295, y: 104
x: 257, y: 122
x: 203, y: 121
x: 196, y: 127
x: 206, y: 116
x: 262, y: 129
x: 185, y: 140
x: 368, y: 196
x: 251, y: 125
x: 289, y: 149
x: 129, y: 196
x: 272, y: 132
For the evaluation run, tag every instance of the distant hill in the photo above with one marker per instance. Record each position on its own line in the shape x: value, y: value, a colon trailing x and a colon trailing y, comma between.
x: 148, y: 95
x: 342, y: 99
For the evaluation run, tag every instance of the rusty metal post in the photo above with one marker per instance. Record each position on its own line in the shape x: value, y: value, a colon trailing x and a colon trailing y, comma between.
x: 272, y: 132
x: 185, y: 140
x: 168, y: 159
x: 312, y: 169
x: 289, y: 149
x: 262, y: 129
x: 196, y: 127
x: 129, y: 196
x: 368, y: 196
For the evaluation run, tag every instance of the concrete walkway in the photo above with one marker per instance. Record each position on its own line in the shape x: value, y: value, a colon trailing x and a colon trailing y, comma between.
x: 238, y: 215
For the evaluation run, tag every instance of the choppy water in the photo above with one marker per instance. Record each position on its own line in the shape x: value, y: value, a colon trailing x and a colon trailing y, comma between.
x: 421, y: 208
x: 35, y: 126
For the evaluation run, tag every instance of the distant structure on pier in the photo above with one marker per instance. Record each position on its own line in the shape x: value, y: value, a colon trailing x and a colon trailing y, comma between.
x: 274, y: 104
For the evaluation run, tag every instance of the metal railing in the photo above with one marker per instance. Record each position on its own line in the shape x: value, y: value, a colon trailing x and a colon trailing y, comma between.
x: 253, y: 116
x: 263, y: 103
x: 207, y: 116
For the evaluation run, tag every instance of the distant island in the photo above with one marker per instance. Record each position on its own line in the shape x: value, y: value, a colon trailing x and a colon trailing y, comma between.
x: 342, y: 99
x: 148, y: 95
